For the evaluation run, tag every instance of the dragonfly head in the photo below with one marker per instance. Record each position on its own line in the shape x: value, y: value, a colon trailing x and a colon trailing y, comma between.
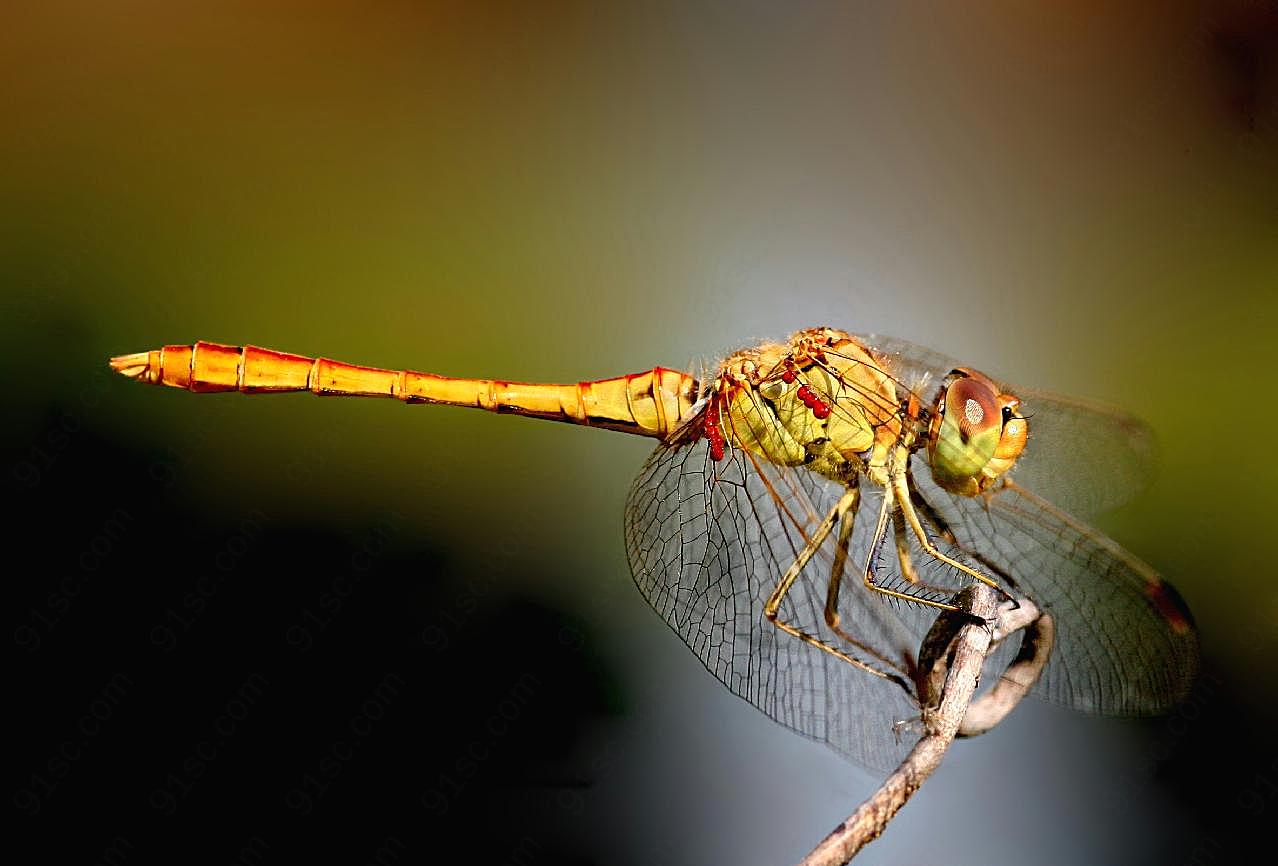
x: 975, y: 434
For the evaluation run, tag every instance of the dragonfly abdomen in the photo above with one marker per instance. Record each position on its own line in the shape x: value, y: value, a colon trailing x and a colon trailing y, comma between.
x: 650, y: 403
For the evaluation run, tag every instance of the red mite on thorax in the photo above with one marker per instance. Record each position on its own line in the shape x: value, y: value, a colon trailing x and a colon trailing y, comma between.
x: 810, y: 398
x: 712, y: 431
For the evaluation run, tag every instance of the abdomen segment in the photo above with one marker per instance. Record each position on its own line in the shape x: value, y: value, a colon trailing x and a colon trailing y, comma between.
x: 650, y: 403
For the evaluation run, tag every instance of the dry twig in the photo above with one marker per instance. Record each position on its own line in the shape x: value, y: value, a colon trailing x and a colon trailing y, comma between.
x: 950, y: 663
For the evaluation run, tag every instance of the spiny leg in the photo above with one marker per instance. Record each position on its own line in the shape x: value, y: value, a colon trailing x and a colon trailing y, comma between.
x: 901, y: 536
x: 930, y: 514
x: 832, y: 616
x: 880, y: 531
x: 901, y: 489
x: 772, y: 607
x: 941, y: 527
x: 840, y: 560
x: 902, y: 540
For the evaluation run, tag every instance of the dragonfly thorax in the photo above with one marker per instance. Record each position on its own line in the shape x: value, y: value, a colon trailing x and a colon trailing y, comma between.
x: 820, y: 400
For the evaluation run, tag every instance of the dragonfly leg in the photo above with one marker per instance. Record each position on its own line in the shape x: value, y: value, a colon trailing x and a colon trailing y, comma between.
x: 938, y: 524
x: 840, y: 562
x: 880, y: 532
x: 832, y: 616
x: 772, y: 608
x: 927, y: 512
x: 900, y: 487
x: 901, y: 536
x: 902, y: 540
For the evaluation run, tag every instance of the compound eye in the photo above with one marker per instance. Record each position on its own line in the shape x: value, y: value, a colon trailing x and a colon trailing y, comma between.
x: 973, y: 406
x: 968, y: 432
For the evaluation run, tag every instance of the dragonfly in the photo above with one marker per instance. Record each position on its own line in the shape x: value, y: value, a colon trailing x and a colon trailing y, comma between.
x: 813, y: 504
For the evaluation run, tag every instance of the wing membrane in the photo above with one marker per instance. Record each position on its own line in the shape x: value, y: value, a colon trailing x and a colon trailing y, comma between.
x: 707, y: 543
x: 1083, y: 457
x: 1125, y: 643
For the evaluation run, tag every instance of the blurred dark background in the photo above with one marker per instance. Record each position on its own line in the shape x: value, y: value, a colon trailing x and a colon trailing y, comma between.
x: 256, y: 630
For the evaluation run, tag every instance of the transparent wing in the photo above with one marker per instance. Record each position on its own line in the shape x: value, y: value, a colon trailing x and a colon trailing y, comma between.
x: 1125, y: 642
x: 1084, y: 457
x: 708, y: 541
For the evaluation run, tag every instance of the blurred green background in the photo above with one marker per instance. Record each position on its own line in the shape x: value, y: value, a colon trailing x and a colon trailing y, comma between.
x: 1073, y: 196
